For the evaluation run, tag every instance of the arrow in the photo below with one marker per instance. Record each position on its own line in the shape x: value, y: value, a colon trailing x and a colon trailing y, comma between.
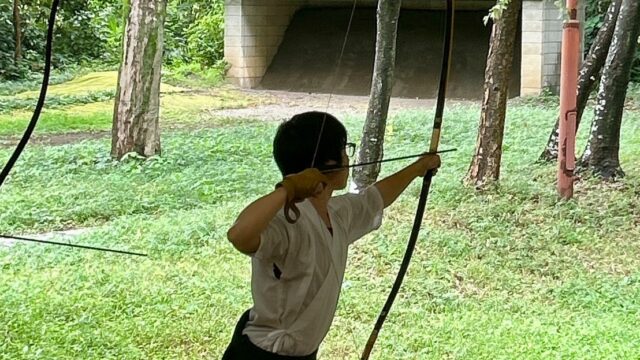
x: 71, y: 245
x: 387, y: 160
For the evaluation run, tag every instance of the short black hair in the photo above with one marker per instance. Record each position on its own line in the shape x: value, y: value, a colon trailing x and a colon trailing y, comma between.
x: 295, y: 142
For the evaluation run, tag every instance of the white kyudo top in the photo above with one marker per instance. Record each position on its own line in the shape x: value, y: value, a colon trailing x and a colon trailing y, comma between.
x: 292, y: 315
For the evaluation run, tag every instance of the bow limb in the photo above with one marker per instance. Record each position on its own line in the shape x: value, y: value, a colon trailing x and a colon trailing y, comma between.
x: 43, y: 93
x: 426, y: 183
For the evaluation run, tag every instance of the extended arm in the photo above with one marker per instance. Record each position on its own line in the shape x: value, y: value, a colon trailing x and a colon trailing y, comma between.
x: 391, y: 187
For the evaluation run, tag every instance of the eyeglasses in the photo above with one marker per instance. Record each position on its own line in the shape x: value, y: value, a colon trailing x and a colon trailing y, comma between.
x: 350, y: 148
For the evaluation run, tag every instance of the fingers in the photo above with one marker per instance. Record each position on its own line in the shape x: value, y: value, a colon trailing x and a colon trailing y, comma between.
x: 307, y: 183
x: 434, y: 161
x: 428, y: 163
x: 312, y: 181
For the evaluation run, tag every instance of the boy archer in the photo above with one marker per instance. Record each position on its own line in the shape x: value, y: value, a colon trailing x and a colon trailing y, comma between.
x: 298, y: 238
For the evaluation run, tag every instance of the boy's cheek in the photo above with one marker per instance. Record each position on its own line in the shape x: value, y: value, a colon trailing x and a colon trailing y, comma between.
x: 345, y: 179
x: 345, y: 159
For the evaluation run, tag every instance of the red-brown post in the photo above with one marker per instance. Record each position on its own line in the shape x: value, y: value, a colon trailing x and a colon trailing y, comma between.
x: 568, y: 101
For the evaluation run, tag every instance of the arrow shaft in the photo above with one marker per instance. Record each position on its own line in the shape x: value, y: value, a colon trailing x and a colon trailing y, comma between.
x: 49, y: 242
x: 401, y: 158
x: 389, y: 160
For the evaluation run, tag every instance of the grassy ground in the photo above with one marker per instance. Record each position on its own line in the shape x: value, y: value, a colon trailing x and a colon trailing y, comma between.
x: 85, y: 104
x: 508, y: 273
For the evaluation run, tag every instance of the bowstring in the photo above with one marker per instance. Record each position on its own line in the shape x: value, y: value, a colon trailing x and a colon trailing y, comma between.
x: 334, y: 82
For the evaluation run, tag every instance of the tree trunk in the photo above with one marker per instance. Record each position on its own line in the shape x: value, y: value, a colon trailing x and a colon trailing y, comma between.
x: 372, y: 143
x: 137, y: 105
x: 485, y: 165
x: 589, y: 75
x: 17, y: 30
x: 602, y: 150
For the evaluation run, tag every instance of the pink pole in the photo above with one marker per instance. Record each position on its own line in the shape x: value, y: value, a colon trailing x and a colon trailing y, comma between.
x: 568, y: 101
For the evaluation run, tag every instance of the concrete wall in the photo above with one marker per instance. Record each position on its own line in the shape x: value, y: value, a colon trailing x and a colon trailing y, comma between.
x: 541, y: 46
x: 307, y: 59
x: 254, y: 30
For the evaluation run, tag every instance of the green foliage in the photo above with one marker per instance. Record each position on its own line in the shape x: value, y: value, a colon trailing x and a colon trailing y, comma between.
x: 496, y: 11
x: 194, y: 32
x: 8, y: 68
x: 195, y: 76
x: 90, y: 32
x: 206, y: 36
x: 82, y: 35
x: 596, y: 11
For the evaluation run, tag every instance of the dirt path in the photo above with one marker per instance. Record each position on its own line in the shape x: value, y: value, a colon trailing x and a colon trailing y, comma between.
x: 286, y: 104
x: 281, y: 105
x: 55, y: 139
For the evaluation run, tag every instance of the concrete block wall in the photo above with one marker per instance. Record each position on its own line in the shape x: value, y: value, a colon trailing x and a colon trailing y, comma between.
x: 541, y: 46
x: 253, y: 32
x: 551, y: 46
x: 254, y: 29
x: 541, y: 39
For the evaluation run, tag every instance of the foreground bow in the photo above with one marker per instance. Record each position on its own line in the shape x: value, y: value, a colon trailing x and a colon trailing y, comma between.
x: 426, y: 183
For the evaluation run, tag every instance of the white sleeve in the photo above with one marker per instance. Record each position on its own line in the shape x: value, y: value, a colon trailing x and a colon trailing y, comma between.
x: 362, y: 212
x: 274, y: 241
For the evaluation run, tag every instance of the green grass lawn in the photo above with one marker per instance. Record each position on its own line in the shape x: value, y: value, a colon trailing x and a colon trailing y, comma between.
x: 507, y: 273
x: 85, y: 104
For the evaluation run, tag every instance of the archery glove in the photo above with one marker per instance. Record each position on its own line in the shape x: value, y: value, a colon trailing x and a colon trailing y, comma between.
x: 299, y: 187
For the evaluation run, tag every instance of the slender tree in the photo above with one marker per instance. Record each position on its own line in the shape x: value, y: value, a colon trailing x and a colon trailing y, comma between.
x: 601, y: 155
x: 372, y: 144
x: 485, y: 165
x: 17, y: 30
x: 137, y: 105
x: 589, y: 75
